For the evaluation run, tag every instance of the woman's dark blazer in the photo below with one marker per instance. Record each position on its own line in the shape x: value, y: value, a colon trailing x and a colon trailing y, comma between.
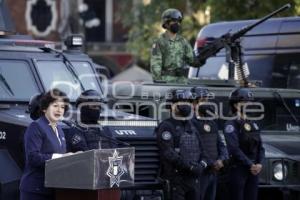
x: 40, y: 143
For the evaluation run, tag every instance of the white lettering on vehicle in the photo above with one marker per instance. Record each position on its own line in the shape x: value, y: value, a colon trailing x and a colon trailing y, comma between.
x: 125, y: 132
x: 290, y: 127
x: 2, y: 135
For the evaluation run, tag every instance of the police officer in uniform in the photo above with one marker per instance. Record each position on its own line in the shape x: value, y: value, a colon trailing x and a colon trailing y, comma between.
x: 171, y: 53
x: 181, y: 154
x: 87, y: 134
x: 213, y: 142
x: 245, y: 148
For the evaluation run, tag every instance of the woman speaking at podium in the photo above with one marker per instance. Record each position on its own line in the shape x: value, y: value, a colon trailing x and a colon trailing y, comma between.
x: 43, y: 140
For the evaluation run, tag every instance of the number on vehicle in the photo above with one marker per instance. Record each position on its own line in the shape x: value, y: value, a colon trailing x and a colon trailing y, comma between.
x: 2, y: 135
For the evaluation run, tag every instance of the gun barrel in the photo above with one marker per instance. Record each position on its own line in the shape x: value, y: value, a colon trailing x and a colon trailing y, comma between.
x: 272, y: 14
x: 245, y: 29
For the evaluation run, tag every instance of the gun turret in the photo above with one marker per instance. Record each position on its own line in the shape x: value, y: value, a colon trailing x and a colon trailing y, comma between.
x: 212, y: 48
x: 231, y: 42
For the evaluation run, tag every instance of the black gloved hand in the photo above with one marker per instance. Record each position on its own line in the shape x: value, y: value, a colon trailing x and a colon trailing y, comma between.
x: 197, y: 168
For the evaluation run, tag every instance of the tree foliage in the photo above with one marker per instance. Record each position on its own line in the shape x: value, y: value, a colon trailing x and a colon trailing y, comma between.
x: 144, y: 20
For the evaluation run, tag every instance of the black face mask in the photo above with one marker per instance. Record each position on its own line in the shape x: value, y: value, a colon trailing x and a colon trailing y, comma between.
x: 174, y: 28
x: 205, y: 110
x: 89, y: 116
x: 184, y: 110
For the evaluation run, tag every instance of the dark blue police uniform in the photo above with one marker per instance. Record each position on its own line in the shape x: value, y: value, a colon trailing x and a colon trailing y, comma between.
x: 215, y: 148
x: 83, y: 139
x: 182, y: 158
x: 40, y: 143
x: 245, y: 149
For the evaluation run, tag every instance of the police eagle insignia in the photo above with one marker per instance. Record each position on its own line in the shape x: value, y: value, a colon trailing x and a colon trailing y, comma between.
x: 247, y: 127
x: 166, y: 135
x: 207, y: 127
x: 115, y: 169
x: 229, y: 129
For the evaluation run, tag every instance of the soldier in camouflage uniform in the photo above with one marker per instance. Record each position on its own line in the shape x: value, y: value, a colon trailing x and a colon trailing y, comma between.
x: 171, y: 53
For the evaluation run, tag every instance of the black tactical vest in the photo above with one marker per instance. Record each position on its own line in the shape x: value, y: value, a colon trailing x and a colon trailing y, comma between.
x: 189, y: 146
x: 249, y: 138
x: 208, y: 131
x: 186, y: 140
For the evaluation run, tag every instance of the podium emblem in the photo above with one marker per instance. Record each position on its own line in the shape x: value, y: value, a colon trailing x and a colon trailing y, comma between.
x: 115, y: 169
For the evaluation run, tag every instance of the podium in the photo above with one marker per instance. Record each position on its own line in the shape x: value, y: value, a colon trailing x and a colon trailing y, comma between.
x: 91, y: 175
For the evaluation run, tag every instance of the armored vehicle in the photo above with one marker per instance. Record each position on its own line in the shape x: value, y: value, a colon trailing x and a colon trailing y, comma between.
x: 29, y: 67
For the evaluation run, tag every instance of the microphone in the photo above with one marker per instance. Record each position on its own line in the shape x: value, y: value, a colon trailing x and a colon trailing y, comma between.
x: 73, y: 124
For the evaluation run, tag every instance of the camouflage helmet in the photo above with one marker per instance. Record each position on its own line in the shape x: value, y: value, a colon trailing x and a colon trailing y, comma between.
x: 170, y: 14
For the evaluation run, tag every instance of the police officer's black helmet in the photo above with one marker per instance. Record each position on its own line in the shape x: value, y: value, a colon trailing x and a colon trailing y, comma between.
x: 34, y: 106
x: 200, y: 92
x: 240, y: 94
x: 180, y: 95
x: 170, y: 14
x: 89, y: 96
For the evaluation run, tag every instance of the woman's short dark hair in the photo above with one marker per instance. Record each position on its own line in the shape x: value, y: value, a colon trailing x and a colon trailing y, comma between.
x: 53, y: 95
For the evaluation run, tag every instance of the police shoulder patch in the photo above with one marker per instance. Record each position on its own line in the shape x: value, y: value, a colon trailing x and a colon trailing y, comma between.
x: 207, y: 127
x: 76, y: 139
x: 247, y: 127
x: 154, y: 50
x: 229, y: 129
x: 166, y: 135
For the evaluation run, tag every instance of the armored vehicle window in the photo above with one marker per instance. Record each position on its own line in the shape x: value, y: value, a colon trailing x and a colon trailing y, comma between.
x: 286, y: 73
x: 56, y: 74
x: 286, y: 120
x: 16, y: 80
x: 86, y: 75
x: 216, y: 68
x: 210, y: 70
x: 279, y: 118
